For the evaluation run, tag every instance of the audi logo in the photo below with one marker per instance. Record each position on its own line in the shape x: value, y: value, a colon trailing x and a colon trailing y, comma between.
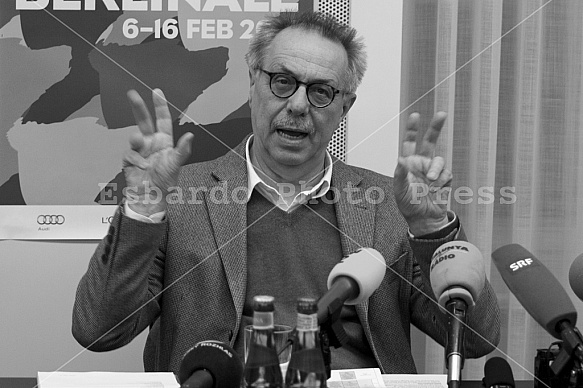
x: 50, y: 220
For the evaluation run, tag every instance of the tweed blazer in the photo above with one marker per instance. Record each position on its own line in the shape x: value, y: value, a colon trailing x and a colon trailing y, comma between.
x: 185, y: 278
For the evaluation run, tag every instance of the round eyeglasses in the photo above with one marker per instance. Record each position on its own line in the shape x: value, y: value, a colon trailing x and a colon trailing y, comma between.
x: 284, y: 85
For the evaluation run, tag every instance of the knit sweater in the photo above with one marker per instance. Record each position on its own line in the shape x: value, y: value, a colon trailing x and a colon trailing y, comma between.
x: 289, y: 256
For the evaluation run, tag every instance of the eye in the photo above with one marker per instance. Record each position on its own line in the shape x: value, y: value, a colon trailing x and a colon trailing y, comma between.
x: 322, y: 90
x: 282, y: 80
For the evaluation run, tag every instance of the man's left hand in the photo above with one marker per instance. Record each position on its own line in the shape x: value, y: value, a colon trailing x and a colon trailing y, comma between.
x: 422, y: 183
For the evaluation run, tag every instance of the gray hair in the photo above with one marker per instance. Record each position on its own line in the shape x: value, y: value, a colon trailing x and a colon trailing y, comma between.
x: 326, y: 25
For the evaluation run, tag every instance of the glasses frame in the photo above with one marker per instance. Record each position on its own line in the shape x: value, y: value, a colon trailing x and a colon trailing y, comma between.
x: 298, y: 84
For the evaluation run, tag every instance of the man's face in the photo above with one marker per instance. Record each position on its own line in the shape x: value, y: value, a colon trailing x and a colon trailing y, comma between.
x: 290, y: 132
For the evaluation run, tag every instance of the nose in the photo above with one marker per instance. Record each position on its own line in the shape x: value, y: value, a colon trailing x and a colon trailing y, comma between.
x: 297, y: 103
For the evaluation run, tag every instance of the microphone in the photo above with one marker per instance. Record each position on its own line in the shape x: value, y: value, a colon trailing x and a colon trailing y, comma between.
x: 457, y: 276
x: 543, y: 297
x: 576, y: 276
x: 350, y: 282
x: 210, y: 364
x: 498, y: 374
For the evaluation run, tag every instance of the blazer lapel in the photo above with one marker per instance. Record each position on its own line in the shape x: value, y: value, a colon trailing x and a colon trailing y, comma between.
x: 355, y: 216
x: 354, y: 213
x: 227, y: 208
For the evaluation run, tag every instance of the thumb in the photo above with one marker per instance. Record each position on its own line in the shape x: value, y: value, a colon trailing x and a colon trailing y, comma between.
x: 401, y: 173
x: 184, y: 147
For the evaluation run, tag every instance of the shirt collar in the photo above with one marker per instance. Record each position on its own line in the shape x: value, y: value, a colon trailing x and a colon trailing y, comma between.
x: 254, y: 181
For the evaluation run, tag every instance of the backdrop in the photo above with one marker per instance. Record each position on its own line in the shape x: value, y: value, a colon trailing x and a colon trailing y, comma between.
x: 65, y: 68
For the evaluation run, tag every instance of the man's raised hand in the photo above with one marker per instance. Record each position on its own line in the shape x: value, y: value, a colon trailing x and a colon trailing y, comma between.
x: 422, y: 183
x: 152, y: 164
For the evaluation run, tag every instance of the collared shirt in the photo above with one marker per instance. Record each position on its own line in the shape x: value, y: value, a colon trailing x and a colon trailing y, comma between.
x: 254, y: 181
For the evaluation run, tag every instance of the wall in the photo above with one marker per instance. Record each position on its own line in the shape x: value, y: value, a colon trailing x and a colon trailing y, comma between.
x: 373, y: 122
x: 38, y: 279
x: 37, y: 288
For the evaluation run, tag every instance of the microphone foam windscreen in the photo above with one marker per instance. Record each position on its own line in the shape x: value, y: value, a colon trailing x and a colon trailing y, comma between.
x: 457, y: 271
x: 576, y: 276
x: 217, y: 358
x: 367, y: 267
x: 535, y: 287
x: 497, y: 372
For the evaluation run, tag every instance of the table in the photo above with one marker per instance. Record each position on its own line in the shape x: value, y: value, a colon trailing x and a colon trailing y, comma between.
x: 30, y: 382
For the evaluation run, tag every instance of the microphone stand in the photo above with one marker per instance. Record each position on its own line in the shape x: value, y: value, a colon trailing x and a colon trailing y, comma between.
x: 455, y: 339
x: 332, y: 333
x: 571, y: 351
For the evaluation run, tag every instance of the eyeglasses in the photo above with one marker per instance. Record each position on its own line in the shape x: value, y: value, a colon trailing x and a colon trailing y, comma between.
x: 284, y: 85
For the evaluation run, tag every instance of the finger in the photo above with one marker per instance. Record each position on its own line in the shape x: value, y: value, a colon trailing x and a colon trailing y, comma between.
x: 141, y: 113
x: 416, y: 165
x: 184, y: 147
x: 137, y: 142
x: 410, y: 142
x: 435, y: 167
x: 401, y: 173
x: 444, y: 179
x: 133, y: 158
x: 427, y: 146
x: 163, y: 117
x: 401, y: 185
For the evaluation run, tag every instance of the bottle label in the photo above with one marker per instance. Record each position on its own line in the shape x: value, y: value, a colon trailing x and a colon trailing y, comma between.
x: 262, y: 319
x: 307, y: 322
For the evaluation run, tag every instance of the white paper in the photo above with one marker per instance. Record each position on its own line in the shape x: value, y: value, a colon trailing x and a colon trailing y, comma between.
x: 356, y: 378
x: 372, y: 378
x: 106, y: 380
x: 415, y: 381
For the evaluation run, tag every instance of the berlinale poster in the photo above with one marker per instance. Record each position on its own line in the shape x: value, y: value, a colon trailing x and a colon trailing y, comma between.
x: 65, y: 68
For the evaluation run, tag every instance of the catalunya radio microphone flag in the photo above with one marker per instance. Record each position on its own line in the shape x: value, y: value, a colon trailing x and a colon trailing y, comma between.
x: 457, y: 276
x: 576, y: 276
x: 457, y: 271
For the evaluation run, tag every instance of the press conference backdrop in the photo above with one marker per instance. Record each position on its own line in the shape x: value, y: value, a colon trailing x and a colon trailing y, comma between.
x: 64, y: 130
x: 65, y: 114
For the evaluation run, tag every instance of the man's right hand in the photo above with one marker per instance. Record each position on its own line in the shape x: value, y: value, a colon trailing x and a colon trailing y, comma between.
x: 152, y: 164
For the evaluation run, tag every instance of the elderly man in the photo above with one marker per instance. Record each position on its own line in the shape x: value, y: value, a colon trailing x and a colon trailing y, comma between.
x: 192, y: 245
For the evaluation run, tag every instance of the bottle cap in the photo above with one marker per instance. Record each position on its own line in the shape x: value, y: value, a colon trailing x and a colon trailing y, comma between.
x: 263, y: 303
x: 307, y: 306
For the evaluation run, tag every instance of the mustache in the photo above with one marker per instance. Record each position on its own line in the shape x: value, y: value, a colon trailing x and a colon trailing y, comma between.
x: 300, y: 124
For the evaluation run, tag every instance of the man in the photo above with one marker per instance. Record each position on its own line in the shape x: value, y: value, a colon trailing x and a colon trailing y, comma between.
x: 273, y: 216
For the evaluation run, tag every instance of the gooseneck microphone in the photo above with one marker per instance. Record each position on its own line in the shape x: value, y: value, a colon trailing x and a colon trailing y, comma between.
x: 351, y: 281
x: 210, y: 364
x: 576, y: 276
x: 498, y: 374
x: 457, y: 277
x: 543, y: 297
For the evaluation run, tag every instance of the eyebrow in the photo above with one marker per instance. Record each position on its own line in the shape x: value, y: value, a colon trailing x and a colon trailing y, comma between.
x: 285, y: 70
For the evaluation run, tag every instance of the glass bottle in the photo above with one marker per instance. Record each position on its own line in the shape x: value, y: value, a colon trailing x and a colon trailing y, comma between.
x: 262, y: 367
x: 306, y: 367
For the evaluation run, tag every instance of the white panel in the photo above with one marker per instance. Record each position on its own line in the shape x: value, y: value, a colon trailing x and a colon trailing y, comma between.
x: 373, y: 121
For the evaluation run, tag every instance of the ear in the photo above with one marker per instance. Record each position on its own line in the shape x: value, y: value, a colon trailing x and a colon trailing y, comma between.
x: 347, y: 103
x: 252, y: 76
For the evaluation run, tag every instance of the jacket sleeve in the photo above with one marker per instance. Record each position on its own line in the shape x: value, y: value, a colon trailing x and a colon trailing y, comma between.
x: 483, y: 319
x: 119, y: 295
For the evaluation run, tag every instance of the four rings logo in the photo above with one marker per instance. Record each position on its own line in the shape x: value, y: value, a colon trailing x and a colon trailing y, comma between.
x: 50, y: 220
